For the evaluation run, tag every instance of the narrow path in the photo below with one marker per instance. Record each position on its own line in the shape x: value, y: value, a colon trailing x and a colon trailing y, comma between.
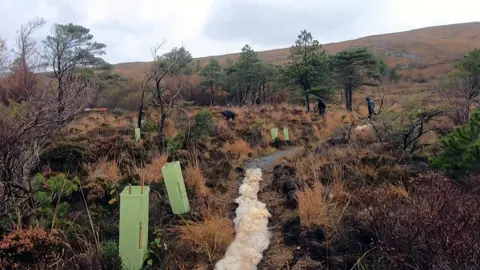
x: 252, y: 216
x: 267, y: 162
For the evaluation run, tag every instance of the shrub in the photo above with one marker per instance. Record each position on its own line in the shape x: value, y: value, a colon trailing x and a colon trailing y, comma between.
x: 461, y: 149
x: 433, y: 225
x: 175, y: 143
x: 110, y: 249
x: 203, y: 125
x: 51, y: 196
x: 30, y: 247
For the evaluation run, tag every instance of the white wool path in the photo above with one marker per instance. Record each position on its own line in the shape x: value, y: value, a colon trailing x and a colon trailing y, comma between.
x: 251, y: 225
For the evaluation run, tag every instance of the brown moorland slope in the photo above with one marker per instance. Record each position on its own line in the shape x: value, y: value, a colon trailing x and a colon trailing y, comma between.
x: 420, y: 53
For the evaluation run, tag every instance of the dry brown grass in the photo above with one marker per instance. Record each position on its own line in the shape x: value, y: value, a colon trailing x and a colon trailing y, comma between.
x: 106, y: 170
x: 152, y: 172
x: 323, y: 206
x: 209, y: 238
x: 239, y: 146
x: 195, y: 179
x: 170, y: 128
x: 88, y: 122
x: 278, y: 256
x: 313, y: 206
x: 399, y: 190
x: 224, y: 130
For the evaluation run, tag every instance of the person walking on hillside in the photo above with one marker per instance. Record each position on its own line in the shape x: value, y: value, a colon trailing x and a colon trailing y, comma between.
x: 229, y: 114
x: 371, y: 107
x: 322, y: 107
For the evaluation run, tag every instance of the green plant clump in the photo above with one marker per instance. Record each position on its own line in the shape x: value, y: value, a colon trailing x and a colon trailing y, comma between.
x: 51, y: 197
x: 461, y: 152
x: 203, y: 125
x: 175, y: 143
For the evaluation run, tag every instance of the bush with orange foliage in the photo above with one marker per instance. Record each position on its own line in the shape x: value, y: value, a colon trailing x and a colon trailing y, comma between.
x: 28, y: 247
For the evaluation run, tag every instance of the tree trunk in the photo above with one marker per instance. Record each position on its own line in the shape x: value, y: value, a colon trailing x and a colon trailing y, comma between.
x: 61, y: 108
x: 140, y: 113
x: 140, y: 110
x: 350, y: 99
x: 264, y: 96
x: 346, y: 96
x: 160, y: 130
x: 307, y: 102
x: 211, y: 95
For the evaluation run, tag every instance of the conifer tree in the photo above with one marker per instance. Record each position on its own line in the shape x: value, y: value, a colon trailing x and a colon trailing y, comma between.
x: 461, y: 149
x: 355, y: 68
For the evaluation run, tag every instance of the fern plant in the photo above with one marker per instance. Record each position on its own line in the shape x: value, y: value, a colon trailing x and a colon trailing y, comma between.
x: 461, y: 152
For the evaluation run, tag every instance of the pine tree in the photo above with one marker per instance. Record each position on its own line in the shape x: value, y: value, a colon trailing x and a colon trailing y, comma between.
x: 212, y: 77
x: 309, y: 68
x: 355, y: 68
x: 461, y: 149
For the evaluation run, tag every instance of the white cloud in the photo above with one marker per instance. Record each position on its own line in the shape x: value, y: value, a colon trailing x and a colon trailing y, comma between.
x: 206, y: 27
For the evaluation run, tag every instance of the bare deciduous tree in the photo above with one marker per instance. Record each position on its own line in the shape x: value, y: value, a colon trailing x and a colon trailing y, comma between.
x: 26, y: 125
x: 404, y: 130
x: 26, y: 48
x: 460, y: 94
x: 3, y: 56
x: 162, y: 98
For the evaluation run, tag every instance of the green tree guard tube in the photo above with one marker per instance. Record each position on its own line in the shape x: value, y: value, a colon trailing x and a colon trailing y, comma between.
x: 177, y: 193
x: 285, y: 134
x: 133, y: 242
x: 137, y: 134
x: 274, y: 133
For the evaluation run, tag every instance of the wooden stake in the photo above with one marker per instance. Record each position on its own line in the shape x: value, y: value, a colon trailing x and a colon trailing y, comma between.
x: 142, y: 178
x: 129, y: 188
x: 140, y: 244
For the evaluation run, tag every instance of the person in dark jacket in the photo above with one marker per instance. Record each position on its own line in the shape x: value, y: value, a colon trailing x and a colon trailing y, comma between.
x: 371, y: 107
x: 229, y: 114
x: 322, y: 107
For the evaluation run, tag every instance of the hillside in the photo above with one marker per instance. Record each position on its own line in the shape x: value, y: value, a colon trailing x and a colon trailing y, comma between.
x: 420, y: 53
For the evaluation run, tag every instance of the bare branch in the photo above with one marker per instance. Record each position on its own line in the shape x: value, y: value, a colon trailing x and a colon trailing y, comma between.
x: 153, y: 82
x: 26, y: 47
x: 460, y: 95
x: 4, y: 56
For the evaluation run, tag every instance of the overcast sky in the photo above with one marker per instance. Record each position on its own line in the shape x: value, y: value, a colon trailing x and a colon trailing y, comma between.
x: 211, y: 27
